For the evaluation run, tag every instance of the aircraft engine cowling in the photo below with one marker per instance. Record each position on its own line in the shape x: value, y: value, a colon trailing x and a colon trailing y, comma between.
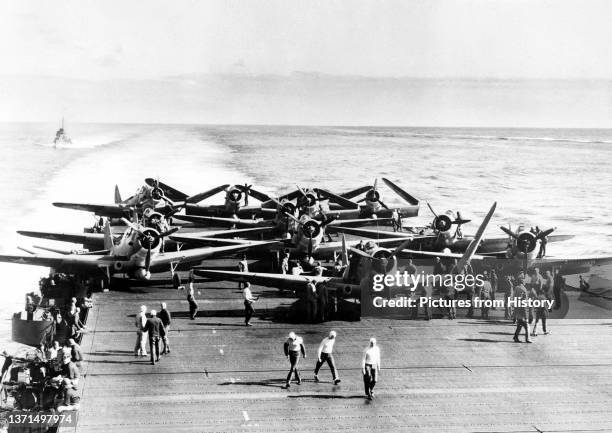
x: 345, y: 291
x: 384, y: 261
x: 149, y: 239
x: 372, y: 200
x: 442, y: 223
x: 157, y: 193
x: 526, y: 242
x: 234, y: 195
x: 309, y: 200
x: 288, y: 207
x: 311, y: 229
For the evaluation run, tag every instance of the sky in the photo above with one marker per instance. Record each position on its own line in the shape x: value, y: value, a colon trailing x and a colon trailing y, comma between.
x: 114, y: 42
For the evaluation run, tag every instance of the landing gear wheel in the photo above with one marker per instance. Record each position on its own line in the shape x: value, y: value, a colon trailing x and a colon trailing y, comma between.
x: 103, y: 284
x: 176, y: 280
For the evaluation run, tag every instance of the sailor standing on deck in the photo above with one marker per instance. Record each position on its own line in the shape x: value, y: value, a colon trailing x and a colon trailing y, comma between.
x: 243, y: 266
x: 141, y: 320
x: 293, y: 347
x: 370, y: 367
x: 324, y: 354
x: 248, y: 303
x: 394, y: 219
x: 193, y: 305
x: 155, y: 328
x: 521, y: 313
x: 166, y: 318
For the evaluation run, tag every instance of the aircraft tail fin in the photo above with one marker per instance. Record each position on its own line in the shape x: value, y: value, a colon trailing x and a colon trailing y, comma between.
x: 108, y: 236
x: 117, y: 195
x: 473, y: 246
x: 403, y: 194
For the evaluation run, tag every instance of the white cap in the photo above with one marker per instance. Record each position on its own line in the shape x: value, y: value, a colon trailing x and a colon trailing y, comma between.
x: 292, y: 335
x: 143, y: 308
x: 372, y: 341
x: 153, y: 313
x: 332, y: 334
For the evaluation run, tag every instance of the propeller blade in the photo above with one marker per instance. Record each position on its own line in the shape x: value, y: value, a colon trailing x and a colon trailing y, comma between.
x: 169, y: 232
x: 361, y: 253
x: 401, y: 247
x: 293, y: 218
x: 375, y: 184
x: 302, y: 191
x: 148, y: 258
x: 383, y: 205
x: 131, y: 225
x: 546, y: 232
x: 508, y: 232
x: 431, y: 209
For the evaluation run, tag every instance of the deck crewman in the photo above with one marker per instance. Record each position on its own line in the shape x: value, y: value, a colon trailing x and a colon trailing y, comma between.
x: 370, y: 367
x: 243, y: 266
x: 293, y: 347
x: 141, y: 320
x: 248, y: 303
x: 155, y: 329
x: 166, y: 318
x: 324, y: 354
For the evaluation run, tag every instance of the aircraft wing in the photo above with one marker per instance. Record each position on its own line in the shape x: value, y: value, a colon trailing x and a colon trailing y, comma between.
x: 198, y: 254
x: 356, y: 221
x: 91, y: 239
x: 170, y: 192
x: 261, y: 278
x: 107, y: 210
x: 570, y: 266
x: 204, y: 195
x: 373, y: 234
x: 254, y: 193
x: 226, y: 222
x: 403, y: 194
x: 328, y: 248
x: 61, y: 261
x: 219, y: 236
x: 358, y: 191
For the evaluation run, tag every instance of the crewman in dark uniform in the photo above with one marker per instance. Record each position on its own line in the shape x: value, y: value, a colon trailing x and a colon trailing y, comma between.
x: 155, y: 328
x: 311, y: 301
x: 559, y: 284
x: 166, y: 319
x: 521, y: 313
x: 322, y: 298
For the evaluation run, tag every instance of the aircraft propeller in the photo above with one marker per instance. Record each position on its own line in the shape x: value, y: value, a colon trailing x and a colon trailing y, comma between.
x: 443, y: 223
x: 373, y: 195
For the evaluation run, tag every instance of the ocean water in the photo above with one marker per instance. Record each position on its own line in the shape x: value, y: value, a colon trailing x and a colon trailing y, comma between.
x: 546, y: 177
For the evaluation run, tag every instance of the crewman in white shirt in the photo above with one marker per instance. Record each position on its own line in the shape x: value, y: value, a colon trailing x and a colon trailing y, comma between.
x: 248, y: 304
x: 293, y: 347
x: 324, y: 354
x: 141, y: 335
x: 370, y: 367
